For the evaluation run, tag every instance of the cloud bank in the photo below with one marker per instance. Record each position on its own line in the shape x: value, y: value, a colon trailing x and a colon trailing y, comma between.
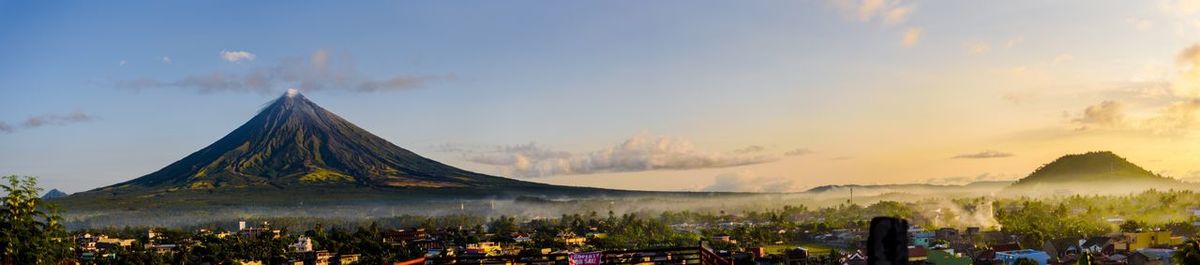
x: 642, y: 152
x: 322, y: 71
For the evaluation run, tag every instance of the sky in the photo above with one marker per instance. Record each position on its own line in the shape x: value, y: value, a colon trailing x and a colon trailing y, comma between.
x: 757, y: 96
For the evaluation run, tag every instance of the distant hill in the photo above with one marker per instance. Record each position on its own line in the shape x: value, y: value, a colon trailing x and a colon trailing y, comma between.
x: 53, y: 193
x: 980, y: 187
x: 1096, y: 172
x: 1090, y: 167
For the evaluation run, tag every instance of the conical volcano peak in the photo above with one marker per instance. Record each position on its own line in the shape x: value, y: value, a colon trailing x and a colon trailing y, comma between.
x: 295, y: 142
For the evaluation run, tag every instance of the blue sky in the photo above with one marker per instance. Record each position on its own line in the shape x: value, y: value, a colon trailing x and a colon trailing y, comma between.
x: 785, y: 93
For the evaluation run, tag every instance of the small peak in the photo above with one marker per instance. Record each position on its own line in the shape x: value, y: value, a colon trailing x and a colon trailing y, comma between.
x: 292, y: 92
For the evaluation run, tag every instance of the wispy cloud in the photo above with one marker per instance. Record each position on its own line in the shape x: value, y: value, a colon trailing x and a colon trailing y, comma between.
x: 322, y: 71
x: 983, y: 155
x: 798, y: 152
x: 642, y: 152
x: 47, y: 119
x: 237, y: 56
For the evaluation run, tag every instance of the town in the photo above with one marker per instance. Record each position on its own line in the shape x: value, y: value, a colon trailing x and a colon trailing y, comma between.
x: 790, y: 235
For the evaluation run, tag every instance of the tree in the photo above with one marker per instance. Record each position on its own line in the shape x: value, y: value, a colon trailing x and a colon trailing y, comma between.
x: 1086, y: 259
x: 1188, y: 254
x: 1131, y: 226
x: 1025, y: 261
x: 31, y: 231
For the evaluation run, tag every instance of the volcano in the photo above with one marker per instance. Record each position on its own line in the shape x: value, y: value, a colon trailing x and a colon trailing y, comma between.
x: 292, y: 141
x: 293, y: 149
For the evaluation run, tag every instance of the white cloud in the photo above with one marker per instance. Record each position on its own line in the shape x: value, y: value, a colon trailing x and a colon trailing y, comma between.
x: 165, y: 59
x: 121, y: 63
x: 642, y: 152
x: 237, y: 56
x: 911, y: 36
x: 747, y: 181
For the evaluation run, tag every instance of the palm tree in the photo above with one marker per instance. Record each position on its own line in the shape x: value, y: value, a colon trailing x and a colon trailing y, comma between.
x: 1189, y: 253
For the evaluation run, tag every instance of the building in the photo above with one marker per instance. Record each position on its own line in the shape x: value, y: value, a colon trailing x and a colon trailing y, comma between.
x: 1140, y: 240
x: 916, y: 255
x: 1151, y: 256
x: 303, y: 244
x: 570, y: 239
x: 1011, y: 257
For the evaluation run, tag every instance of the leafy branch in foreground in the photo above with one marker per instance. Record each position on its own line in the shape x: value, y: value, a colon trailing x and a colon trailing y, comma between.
x: 31, y: 231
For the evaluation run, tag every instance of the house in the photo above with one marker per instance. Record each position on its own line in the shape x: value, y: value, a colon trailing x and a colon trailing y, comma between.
x: 348, y: 258
x: 1140, y: 240
x: 1098, y: 244
x: 303, y: 244
x: 946, y: 233
x: 521, y: 237
x: 570, y: 239
x: 856, y: 258
x: 1060, y: 248
x: 1152, y: 256
x: 401, y: 236
x: 796, y: 255
x: 1011, y: 257
x: 917, y: 255
x: 947, y: 257
x: 723, y: 238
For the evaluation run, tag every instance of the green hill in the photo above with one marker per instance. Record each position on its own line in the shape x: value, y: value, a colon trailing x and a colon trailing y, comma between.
x: 1100, y: 166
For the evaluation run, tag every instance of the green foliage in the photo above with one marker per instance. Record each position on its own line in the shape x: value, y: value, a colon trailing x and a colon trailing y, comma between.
x: 1130, y: 226
x: 1025, y: 261
x: 1188, y: 254
x: 31, y: 231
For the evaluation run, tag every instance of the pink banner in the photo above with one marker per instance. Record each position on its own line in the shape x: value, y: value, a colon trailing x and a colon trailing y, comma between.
x: 586, y: 258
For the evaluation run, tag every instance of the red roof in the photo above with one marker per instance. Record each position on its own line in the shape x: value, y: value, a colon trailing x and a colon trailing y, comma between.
x: 916, y: 252
x: 1006, y: 247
